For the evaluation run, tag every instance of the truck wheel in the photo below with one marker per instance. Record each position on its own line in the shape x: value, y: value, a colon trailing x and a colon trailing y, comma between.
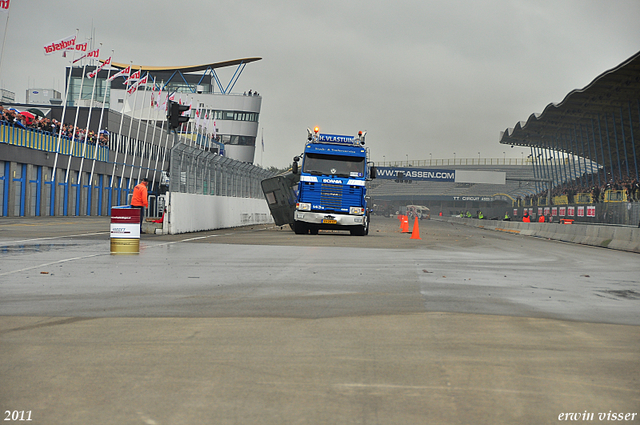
x: 300, y: 228
x: 367, y: 225
x: 358, y: 231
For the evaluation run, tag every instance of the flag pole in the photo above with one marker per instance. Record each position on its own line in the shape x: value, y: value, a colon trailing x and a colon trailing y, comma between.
x: 164, y: 152
x: 64, y: 111
x: 4, y: 38
x: 190, y: 126
x: 153, y: 107
x: 75, y: 123
x: 166, y: 142
x: 104, y: 101
x: 124, y: 162
x: 136, y: 86
x: 115, y: 159
x: 146, y: 125
x: 86, y: 133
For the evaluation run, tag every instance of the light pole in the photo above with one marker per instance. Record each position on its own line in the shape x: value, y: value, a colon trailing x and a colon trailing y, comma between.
x: 429, y: 158
x: 407, y: 159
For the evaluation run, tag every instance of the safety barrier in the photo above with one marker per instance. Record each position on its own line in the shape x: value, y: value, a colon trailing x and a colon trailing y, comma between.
x: 45, y: 141
x: 578, y: 198
x: 561, y: 200
x: 208, y: 191
x: 615, y: 196
x: 621, y: 238
x: 583, y: 198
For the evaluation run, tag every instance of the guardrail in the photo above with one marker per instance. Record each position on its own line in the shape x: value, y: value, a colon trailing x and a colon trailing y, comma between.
x: 45, y: 141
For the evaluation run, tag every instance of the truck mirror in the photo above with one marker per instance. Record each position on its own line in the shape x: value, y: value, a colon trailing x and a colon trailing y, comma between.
x: 294, y: 167
x: 373, y: 172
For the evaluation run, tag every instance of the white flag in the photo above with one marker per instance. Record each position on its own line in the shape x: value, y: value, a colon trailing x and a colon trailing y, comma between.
x: 159, y: 102
x: 4, y: 6
x: 82, y: 47
x: 67, y: 43
x: 197, y: 119
x: 137, y: 84
x: 125, y: 72
x: 98, y: 69
x: 91, y: 54
x: 133, y: 78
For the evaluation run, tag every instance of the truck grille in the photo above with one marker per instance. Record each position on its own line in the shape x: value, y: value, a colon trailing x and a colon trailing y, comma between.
x: 331, y: 195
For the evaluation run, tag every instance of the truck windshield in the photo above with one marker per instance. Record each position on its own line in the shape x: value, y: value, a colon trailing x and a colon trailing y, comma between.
x: 333, y: 165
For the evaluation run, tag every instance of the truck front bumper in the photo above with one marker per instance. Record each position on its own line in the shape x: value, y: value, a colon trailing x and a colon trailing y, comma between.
x: 324, y: 219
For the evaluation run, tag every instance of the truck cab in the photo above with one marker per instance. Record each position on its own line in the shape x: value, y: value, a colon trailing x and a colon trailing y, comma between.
x: 331, y: 193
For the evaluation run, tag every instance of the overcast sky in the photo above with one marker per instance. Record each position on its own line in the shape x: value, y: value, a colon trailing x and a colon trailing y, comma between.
x: 425, y: 78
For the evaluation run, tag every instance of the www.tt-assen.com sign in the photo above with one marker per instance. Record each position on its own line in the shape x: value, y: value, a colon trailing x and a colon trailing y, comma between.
x: 427, y: 174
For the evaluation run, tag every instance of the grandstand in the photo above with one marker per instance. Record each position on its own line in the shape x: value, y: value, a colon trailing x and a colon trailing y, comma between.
x: 583, y: 165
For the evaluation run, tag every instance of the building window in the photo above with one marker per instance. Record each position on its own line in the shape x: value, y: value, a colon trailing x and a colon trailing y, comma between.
x: 235, y: 116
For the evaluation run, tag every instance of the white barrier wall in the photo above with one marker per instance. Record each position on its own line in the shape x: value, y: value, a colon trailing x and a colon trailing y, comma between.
x: 188, y: 212
x: 622, y: 238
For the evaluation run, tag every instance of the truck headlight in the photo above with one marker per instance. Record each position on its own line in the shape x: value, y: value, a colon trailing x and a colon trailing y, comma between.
x: 356, y: 210
x: 303, y: 206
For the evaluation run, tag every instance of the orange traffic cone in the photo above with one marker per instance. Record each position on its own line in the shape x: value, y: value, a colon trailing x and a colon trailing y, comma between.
x: 405, y: 224
x: 416, y: 231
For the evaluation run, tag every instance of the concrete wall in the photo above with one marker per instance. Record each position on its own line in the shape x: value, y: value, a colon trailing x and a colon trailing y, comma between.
x: 615, y: 237
x: 192, y: 213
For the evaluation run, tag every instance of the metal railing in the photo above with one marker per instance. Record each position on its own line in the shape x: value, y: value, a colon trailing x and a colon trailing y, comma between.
x: 42, y: 140
x: 438, y: 162
x: 193, y: 170
x: 611, y: 196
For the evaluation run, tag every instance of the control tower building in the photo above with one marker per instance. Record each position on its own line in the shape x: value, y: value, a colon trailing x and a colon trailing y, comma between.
x: 231, y: 118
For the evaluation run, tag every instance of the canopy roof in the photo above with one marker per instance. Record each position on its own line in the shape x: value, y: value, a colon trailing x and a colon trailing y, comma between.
x: 603, y: 116
x: 191, y: 68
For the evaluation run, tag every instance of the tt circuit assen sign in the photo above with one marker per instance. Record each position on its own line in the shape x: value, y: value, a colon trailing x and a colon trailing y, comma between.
x: 425, y: 174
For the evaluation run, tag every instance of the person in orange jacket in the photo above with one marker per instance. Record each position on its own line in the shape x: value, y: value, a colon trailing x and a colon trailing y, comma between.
x: 139, y: 198
x: 541, y: 219
x: 526, y: 218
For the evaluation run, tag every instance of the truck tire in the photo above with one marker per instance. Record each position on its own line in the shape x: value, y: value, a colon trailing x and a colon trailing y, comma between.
x: 300, y: 228
x: 358, y: 231
x: 361, y: 230
x: 367, y: 224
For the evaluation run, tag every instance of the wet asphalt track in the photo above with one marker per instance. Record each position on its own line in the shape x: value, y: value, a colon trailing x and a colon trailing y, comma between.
x: 258, y: 325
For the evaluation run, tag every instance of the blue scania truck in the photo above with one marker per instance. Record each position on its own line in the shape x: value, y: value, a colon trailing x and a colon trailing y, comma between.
x: 328, y: 190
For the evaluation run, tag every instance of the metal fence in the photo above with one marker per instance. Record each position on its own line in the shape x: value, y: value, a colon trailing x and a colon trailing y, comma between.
x: 193, y: 170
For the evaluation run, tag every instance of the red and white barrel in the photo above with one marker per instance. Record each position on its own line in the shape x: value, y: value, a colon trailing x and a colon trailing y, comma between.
x: 125, y: 230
